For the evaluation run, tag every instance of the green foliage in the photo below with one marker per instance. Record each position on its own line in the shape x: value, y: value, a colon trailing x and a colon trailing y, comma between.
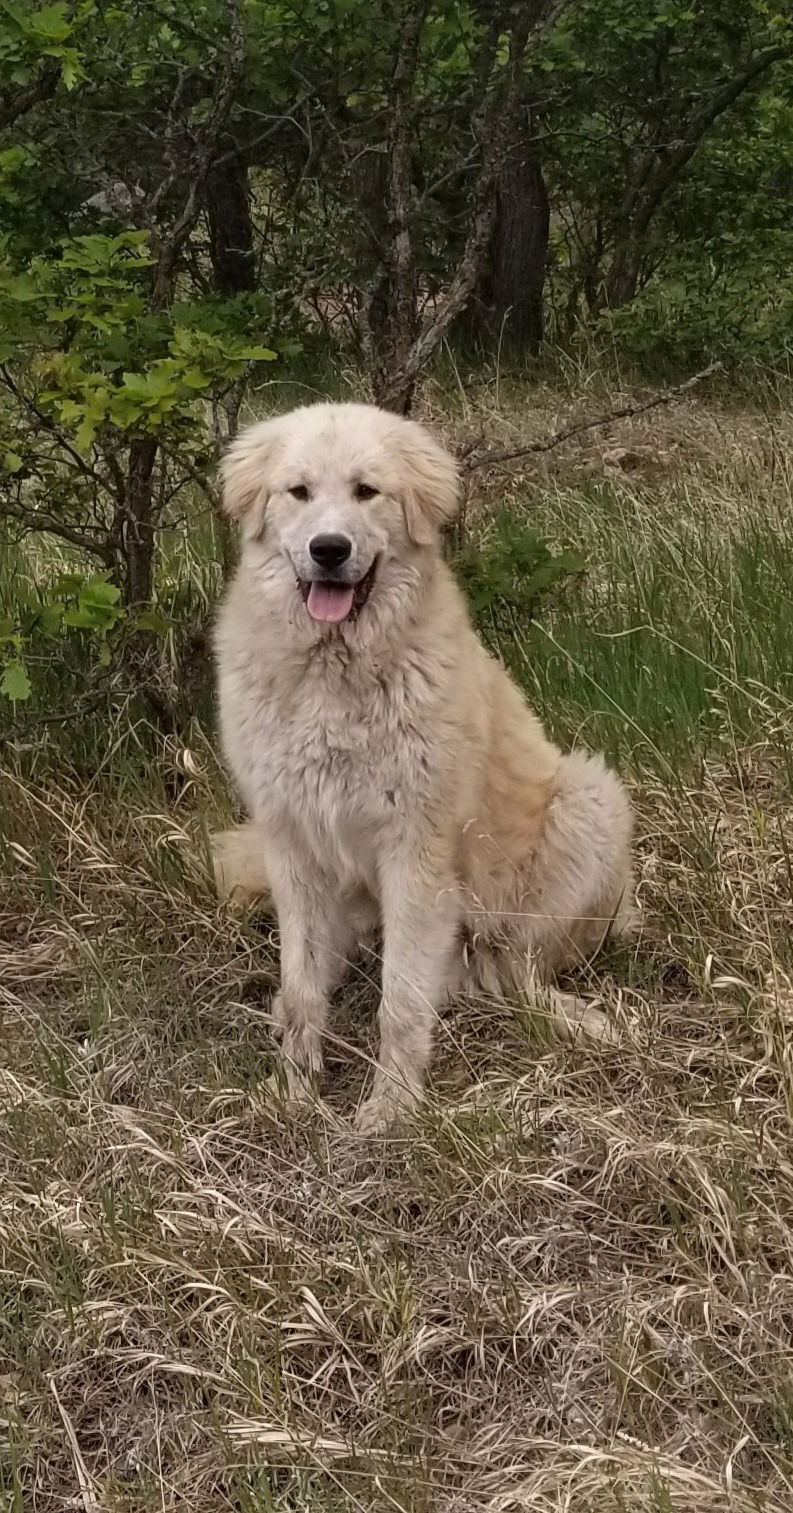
x: 649, y: 180
x: 742, y: 311
x: 724, y: 247
x: 44, y: 33
x: 72, y: 604
x: 90, y: 368
x: 507, y: 575
x: 15, y: 683
x: 79, y: 330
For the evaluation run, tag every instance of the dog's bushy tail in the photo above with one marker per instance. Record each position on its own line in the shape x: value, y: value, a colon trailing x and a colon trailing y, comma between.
x: 238, y: 864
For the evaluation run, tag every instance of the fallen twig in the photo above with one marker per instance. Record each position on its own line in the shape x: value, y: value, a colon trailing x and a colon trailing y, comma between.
x: 495, y: 458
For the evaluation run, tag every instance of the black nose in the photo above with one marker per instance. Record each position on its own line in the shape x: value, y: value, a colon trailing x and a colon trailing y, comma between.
x: 330, y: 551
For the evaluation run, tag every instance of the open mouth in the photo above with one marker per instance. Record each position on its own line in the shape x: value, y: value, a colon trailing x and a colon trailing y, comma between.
x: 330, y: 602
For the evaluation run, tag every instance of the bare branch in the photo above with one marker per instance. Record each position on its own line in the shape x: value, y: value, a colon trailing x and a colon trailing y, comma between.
x: 191, y: 475
x: 246, y: 151
x: 497, y: 457
x: 40, y: 520
x: 86, y: 704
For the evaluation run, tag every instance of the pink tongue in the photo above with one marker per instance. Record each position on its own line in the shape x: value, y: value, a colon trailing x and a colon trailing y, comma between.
x: 330, y: 602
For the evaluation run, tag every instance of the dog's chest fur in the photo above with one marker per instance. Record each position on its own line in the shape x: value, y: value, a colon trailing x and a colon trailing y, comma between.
x: 340, y: 754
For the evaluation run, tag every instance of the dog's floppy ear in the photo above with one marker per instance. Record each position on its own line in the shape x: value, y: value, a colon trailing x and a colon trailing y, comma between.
x: 431, y: 484
x: 245, y: 473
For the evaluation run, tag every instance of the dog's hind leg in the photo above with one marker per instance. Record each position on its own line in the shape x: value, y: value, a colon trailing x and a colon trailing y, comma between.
x: 582, y: 882
x: 558, y: 911
x: 508, y: 970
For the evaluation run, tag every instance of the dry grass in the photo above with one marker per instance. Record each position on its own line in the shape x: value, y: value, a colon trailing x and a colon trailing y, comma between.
x: 569, y: 1291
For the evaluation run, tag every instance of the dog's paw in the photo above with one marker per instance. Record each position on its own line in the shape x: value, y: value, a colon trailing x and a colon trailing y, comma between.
x: 377, y: 1116
x: 292, y: 1084
x: 385, y: 1111
x: 296, y: 1077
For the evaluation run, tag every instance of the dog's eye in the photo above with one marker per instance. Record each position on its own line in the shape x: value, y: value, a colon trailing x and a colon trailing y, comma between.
x: 299, y: 491
x: 365, y: 491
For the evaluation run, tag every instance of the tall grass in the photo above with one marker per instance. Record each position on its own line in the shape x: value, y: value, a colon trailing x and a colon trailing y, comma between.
x: 679, y: 637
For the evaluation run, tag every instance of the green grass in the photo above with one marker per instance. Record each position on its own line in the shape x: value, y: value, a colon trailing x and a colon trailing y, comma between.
x: 681, y: 634
x: 568, y: 1291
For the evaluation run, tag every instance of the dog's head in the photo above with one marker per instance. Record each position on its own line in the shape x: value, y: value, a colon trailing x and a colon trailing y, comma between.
x: 342, y: 503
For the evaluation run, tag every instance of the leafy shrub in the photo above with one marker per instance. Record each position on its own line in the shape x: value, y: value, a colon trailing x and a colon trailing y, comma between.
x: 733, y: 308
x: 508, y: 573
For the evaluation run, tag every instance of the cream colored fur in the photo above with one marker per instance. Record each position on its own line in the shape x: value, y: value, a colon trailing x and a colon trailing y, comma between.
x: 394, y: 774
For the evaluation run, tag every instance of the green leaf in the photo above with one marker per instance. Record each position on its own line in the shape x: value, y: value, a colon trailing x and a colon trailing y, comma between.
x: 257, y: 354
x: 48, y: 619
x: 20, y: 288
x: 86, y: 432
x: 51, y: 22
x: 151, y: 621
x: 71, y: 71
x: 82, y: 619
x: 195, y: 379
x: 99, y: 592
x: 12, y: 462
x: 15, y: 683
x: 67, y: 585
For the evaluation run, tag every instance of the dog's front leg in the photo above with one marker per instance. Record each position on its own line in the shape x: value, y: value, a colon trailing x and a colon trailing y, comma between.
x: 421, y: 919
x: 316, y: 943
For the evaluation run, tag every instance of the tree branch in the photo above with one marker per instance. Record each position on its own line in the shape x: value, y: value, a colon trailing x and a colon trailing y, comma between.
x: 224, y: 98
x: 498, y: 128
x: 192, y: 475
x: 49, y: 425
x: 86, y: 704
x: 497, y: 457
x: 659, y: 169
x: 40, y: 89
x: 39, y: 520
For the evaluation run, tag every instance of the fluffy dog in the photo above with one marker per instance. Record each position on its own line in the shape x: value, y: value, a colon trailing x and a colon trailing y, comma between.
x: 394, y: 775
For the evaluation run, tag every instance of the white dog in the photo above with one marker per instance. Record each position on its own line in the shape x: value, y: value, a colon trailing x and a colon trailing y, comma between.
x: 393, y: 773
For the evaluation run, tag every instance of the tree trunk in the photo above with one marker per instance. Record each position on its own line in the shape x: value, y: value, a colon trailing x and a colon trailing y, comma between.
x: 498, y: 126
x: 520, y: 250
x: 620, y: 287
x: 369, y: 188
x: 510, y: 296
x: 138, y: 536
x: 227, y: 198
x: 390, y: 316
